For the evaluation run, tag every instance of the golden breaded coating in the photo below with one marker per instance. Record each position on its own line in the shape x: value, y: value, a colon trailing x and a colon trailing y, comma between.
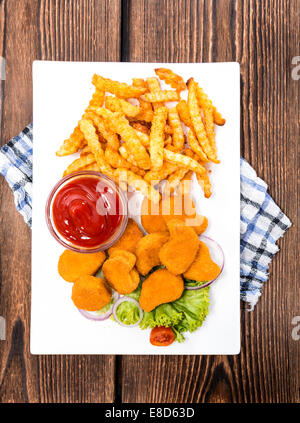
x: 129, y: 239
x: 147, y: 251
x: 180, y: 251
x: 151, y: 217
x: 203, y: 268
x: 90, y: 293
x: 72, y: 265
x: 118, y: 273
x: 117, y: 252
x: 159, y: 288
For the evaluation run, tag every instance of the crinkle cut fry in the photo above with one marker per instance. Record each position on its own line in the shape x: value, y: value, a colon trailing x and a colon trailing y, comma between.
x: 119, y: 105
x: 207, y: 108
x: 138, y: 183
x: 72, y: 144
x: 178, y: 135
x: 161, y: 96
x: 184, y: 113
x: 80, y: 163
x: 153, y: 87
x: 205, y: 184
x: 88, y: 129
x: 196, y: 147
x: 111, y: 137
x: 197, y: 121
x: 171, y: 78
x: 120, y: 124
x: 119, y: 89
x: 183, y: 161
x: 157, y: 138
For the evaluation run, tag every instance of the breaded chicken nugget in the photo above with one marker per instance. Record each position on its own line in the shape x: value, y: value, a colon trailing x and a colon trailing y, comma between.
x: 119, y: 274
x: 203, y: 268
x: 90, y: 293
x: 147, y: 251
x: 129, y: 257
x: 159, y: 288
x: 72, y: 265
x: 129, y: 239
x: 180, y: 251
x: 151, y: 217
x: 154, y: 217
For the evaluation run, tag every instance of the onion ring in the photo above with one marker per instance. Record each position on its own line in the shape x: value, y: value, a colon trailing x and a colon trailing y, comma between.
x: 219, y: 259
x: 95, y: 316
x: 130, y: 300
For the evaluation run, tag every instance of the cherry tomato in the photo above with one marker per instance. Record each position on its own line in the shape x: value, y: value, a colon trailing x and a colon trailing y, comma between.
x: 162, y: 336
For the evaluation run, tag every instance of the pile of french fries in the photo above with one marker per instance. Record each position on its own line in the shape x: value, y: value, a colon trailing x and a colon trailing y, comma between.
x: 128, y: 133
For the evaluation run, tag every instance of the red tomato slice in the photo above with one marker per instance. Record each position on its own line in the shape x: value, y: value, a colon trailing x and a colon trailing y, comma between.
x: 162, y: 336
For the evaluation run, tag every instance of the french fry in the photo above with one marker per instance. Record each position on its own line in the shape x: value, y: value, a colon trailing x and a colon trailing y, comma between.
x: 205, y: 184
x: 72, y: 144
x: 171, y: 78
x: 197, y: 121
x: 184, y: 187
x: 218, y: 119
x: 137, y: 182
x: 207, y: 107
x: 174, y: 180
x: 168, y: 130
x: 139, y: 82
x: 92, y: 166
x: 111, y: 137
x: 90, y: 135
x: 159, y: 175
x: 178, y: 135
x: 98, y: 98
x: 157, y: 138
x: 86, y: 150
x: 119, y: 105
x: 154, y: 86
x: 133, y: 165
x: 121, y: 125
x: 119, y: 89
x: 195, y: 147
x: 80, y: 163
x: 115, y: 159
x: 161, y: 96
x: 184, y: 113
x: 183, y: 161
x: 140, y: 127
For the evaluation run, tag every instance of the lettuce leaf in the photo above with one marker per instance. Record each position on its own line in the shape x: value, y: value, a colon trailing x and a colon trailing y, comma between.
x: 128, y: 313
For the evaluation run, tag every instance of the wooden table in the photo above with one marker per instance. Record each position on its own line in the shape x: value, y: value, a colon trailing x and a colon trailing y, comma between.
x: 264, y: 37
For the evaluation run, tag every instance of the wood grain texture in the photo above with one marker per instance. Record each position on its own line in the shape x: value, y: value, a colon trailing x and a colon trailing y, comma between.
x: 53, y: 30
x: 263, y: 37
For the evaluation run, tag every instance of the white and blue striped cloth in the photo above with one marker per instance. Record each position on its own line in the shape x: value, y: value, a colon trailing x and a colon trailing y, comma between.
x: 262, y: 222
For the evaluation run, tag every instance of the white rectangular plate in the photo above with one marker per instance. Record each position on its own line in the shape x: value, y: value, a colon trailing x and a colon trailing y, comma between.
x: 61, y: 92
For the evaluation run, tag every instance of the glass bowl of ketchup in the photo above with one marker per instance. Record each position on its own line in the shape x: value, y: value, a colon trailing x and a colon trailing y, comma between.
x: 86, y: 212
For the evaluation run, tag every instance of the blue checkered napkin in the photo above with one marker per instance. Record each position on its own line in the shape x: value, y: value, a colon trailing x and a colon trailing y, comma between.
x: 16, y: 167
x: 262, y: 222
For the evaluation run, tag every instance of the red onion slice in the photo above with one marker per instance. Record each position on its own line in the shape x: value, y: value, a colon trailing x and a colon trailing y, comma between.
x: 100, y: 317
x: 130, y: 300
x: 217, y: 255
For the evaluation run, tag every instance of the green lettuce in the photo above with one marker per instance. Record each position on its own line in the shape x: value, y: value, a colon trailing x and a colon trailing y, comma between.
x: 128, y: 313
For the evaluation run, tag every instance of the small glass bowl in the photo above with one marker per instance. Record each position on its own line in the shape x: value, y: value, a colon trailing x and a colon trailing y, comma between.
x: 67, y: 243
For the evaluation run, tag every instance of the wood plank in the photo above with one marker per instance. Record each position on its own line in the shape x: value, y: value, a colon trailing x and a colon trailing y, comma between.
x: 52, y: 30
x: 263, y: 37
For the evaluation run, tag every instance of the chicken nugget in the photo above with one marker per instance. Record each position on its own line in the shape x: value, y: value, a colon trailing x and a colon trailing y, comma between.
x: 180, y: 251
x: 151, y: 217
x: 117, y: 252
x: 203, y: 268
x: 147, y: 251
x: 129, y: 239
x: 90, y: 293
x: 118, y: 273
x: 159, y: 288
x: 72, y: 265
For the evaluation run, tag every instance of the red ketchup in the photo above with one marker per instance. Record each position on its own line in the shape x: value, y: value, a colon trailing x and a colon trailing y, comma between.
x: 87, y: 211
